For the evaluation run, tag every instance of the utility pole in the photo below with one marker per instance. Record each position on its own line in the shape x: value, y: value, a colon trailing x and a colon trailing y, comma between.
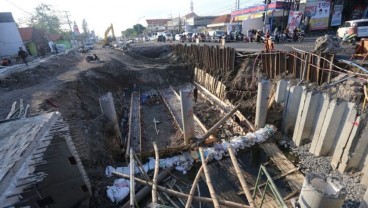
x: 70, y: 27
x: 267, y: 2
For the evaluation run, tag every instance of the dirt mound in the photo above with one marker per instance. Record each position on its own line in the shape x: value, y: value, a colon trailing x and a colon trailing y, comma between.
x: 151, y: 51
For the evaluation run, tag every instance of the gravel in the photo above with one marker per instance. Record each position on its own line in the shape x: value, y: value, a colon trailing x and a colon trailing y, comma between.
x: 308, y: 163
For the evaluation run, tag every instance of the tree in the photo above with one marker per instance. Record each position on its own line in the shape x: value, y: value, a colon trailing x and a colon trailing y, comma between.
x: 45, y: 18
x: 85, y: 28
x: 138, y: 28
x: 129, y: 33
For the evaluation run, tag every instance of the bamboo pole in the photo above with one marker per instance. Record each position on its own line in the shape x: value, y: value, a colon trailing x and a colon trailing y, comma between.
x: 195, y: 183
x: 219, y: 123
x: 154, y: 187
x: 132, y: 187
x: 183, y: 195
x: 208, y: 180
x: 241, y: 177
x: 170, y: 200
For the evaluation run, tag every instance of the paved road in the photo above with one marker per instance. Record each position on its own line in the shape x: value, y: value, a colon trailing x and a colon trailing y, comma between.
x: 307, y: 44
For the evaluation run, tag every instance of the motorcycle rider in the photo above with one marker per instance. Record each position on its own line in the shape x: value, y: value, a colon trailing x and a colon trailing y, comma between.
x: 351, y: 34
x: 276, y: 33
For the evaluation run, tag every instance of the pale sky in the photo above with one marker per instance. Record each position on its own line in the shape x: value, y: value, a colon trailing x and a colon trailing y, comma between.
x: 122, y: 14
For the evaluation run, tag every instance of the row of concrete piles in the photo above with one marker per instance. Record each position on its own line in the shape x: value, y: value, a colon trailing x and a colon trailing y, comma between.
x: 333, y: 127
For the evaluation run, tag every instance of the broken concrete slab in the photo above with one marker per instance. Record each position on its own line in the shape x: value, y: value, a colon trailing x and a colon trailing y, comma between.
x: 281, y: 91
x: 308, y: 116
x: 291, y: 108
x: 343, y: 139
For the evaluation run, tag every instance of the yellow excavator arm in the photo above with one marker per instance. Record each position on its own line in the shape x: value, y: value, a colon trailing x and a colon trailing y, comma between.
x: 107, y: 32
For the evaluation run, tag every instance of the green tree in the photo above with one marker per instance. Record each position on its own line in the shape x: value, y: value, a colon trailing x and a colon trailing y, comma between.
x: 138, y: 28
x: 129, y: 33
x: 45, y: 18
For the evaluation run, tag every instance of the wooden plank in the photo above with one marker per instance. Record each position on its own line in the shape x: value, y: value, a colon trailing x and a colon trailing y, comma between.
x: 295, y: 179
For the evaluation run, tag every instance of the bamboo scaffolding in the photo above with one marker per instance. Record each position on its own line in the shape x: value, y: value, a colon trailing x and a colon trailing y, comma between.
x: 183, y: 195
x: 154, y: 187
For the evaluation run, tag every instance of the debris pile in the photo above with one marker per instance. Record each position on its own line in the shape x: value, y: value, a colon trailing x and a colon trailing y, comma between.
x: 327, y: 44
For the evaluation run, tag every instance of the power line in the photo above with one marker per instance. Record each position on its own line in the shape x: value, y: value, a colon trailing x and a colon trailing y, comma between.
x: 20, y: 8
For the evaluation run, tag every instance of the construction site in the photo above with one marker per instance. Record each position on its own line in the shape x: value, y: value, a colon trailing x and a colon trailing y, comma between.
x: 174, y: 125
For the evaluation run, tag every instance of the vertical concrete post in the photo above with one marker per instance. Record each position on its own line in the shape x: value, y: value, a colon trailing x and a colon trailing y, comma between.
x: 343, y: 138
x: 281, y: 91
x: 308, y: 112
x: 186, y: 98
x: 262, y: 103
x: 332, y: 126
x: 108, y: 110
x: 291, y: 108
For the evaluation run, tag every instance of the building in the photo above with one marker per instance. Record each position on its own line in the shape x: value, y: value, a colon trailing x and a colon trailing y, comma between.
x: 40, y: 166
x: 33, y: 39
x: 195, y: 23
x: 10, y: 39
x: 175, y: 25
x: 157, y: 25
x: 223, y: 23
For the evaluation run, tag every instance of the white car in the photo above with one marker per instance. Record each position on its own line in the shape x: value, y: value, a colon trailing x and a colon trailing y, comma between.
x: 362, y: 28
x: 178, y: 36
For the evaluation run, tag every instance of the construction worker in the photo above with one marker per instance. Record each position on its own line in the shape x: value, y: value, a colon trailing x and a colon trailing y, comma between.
x: 23, y: 55
x: 269, y: 44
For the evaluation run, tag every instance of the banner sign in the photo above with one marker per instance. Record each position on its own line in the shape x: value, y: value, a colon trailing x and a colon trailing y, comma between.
x: 319, y: 15
x: 295, y: 18
x: 336, y: 15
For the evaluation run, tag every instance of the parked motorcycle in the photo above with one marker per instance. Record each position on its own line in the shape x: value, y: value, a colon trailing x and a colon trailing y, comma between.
x: 94, y: 57
x: 350, y: 39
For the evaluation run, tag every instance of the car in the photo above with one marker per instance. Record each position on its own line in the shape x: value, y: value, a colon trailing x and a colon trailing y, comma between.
x: 161, y: 38
x: 217, y: 35
x: 178, y: 36
x: 362, y: 25
x: 88, y: 46
x: 169, y: 37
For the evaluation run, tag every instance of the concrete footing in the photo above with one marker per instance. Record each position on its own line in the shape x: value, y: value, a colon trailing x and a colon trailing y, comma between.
x: 262, y: 103
x: 292, y: 103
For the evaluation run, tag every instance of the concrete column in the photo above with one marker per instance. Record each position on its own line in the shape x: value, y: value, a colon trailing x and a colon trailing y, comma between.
x: 108, y: 110
x: 186, y: 97
x: 291, y: 108
x: 318, y: 122
x: 281, y: 91
x: 262, y: 103
x: 318, y: 191
x: 343, y: 141
x: 354, y: 150
x: 307, y: 116
x: 332, y: 127
x: 357, y: 157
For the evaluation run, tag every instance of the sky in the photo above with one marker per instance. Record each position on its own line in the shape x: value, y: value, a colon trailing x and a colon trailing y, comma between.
x: 122, y: 14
